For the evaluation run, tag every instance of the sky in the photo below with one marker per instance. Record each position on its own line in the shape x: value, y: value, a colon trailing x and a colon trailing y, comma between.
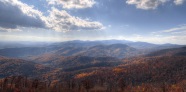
x: 154, y: 21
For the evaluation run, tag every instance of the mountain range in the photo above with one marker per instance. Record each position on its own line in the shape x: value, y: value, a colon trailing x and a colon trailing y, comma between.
x: 114, y: 48
x: 137, y: 62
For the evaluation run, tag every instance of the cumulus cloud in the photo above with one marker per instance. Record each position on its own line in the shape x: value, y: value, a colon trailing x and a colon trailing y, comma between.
x: 62, y: 21
x: 13, y: 13
x: 72, y: 3
x: 151, y: 4
x: 146, y: 4
x: 179, y: 2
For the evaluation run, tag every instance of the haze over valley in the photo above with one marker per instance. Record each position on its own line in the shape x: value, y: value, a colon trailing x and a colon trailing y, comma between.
x: 92, y: 46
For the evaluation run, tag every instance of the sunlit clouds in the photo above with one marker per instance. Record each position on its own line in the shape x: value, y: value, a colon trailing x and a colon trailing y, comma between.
x: 69, y: 4
x: 156, y: 21
x: 151, y: 4
x: 15, y: 14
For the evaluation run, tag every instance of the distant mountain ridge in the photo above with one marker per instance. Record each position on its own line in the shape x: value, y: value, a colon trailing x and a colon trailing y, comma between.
x: 113, y: 48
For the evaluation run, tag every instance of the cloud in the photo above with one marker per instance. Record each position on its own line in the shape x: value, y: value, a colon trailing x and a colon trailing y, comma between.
x: 179, y: 2
x: 10, y: 29
x: 68, y: 4
x: 181, y: 28
x: 165, y: 39
x: 61, y: 21
x: 146, y: 4
x: 14, y: 13
x: 12, y: 37
x: 151, y: 4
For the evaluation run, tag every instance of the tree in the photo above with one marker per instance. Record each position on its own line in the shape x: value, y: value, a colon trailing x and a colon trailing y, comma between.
x: 122, y: 84
x: 88, y: 84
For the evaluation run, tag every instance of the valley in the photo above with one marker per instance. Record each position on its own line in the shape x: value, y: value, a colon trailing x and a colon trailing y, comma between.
x: 104, y: 66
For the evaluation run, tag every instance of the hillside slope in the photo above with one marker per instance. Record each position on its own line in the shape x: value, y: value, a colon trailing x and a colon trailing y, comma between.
x: 169, y: 52
x: 15, y: 67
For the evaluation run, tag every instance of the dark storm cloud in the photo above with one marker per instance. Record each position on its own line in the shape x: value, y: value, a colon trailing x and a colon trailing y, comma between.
x: 11, y: 16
